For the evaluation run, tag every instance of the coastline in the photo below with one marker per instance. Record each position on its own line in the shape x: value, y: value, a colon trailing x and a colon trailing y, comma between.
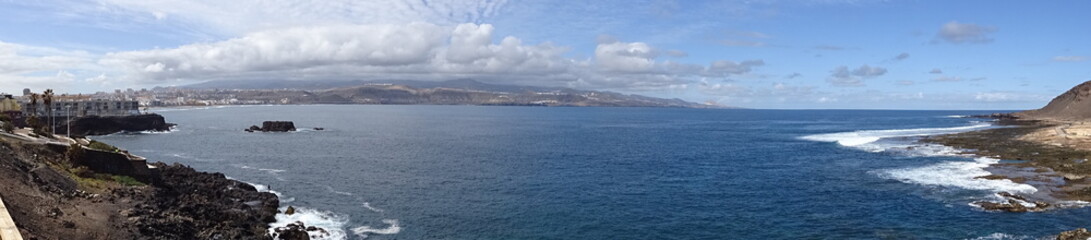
x: 1029, y: 152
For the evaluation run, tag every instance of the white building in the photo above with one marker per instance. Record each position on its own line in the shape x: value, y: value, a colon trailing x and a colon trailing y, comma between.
x: 80, y: 108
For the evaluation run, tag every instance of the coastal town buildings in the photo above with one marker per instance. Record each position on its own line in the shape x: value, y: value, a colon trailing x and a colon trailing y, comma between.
x: 9, y: 106
x: 83, y: 107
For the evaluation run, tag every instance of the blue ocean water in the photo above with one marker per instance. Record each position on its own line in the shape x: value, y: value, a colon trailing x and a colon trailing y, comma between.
x: 473, y: 172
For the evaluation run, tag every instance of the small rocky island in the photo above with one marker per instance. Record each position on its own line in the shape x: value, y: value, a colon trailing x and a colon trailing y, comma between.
x: 273, y: 126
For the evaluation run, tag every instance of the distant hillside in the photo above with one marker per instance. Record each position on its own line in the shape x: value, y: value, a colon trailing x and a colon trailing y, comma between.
x: 454, y: 92
x: 1073, y: 105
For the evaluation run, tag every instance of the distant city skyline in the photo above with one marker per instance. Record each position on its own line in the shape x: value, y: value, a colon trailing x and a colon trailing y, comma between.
x: 755, y: 54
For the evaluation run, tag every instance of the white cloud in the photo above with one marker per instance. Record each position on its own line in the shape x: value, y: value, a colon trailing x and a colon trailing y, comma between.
x: 1069, y: 58
x: 959, y: 33
x: 40, y: 67
x: 726, y: 67
x: 420, y: 51
x: 902, y: 56
x: 843, y: 77
x: 243, y: 16
x: 635, y: 57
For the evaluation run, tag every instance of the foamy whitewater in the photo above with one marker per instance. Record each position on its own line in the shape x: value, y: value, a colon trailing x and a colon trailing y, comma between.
x: 960, y: 174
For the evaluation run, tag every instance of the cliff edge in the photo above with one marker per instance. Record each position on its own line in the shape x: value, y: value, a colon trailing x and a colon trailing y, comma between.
x: 1073, y: 105
x: 51, y: 197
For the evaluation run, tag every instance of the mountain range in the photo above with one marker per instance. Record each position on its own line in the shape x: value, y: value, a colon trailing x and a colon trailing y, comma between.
x: 452, y: 92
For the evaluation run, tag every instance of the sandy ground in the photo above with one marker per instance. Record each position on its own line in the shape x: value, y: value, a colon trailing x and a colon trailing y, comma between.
x: 1076, y: 135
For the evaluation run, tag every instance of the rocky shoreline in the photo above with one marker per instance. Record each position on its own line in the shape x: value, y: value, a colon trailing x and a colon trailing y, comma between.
x: 1058, y: 172
x: 52, y: 198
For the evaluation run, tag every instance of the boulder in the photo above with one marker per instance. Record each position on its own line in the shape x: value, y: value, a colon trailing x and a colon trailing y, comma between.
x: 1079, y: 233
x: 298, y: 231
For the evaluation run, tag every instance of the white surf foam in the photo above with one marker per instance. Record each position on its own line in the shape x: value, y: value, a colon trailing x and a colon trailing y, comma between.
x: 333, y: 223
x: 858, y: 138
x: 373, y: 209
x: 961, y: 174
x: 268, y: 170
x: 329, y: 188
x: 1000, y: 236
x: 392, y: 229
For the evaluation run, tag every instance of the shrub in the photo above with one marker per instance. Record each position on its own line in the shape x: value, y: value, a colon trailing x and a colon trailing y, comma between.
x: 127, y: 180
x: 33, y: 122
x: 74, y: 153
x: 102, y: 146
x: 8, y: 127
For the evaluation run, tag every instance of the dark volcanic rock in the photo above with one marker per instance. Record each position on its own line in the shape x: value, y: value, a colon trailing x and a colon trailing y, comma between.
x: 273, y: 126
x: 194, y: 205
x: 1011, y: 206
x: 95, y: 125
x: 298, y: 231
x: 277, y: 126
x: 1077, y: 234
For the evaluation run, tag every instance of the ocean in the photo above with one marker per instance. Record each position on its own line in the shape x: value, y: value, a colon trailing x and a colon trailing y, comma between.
x: 478, y: 172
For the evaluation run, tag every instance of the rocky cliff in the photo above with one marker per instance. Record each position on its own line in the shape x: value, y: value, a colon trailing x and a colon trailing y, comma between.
x: 1073, y: 105
x: 50, y: 198
x: 96, y: 125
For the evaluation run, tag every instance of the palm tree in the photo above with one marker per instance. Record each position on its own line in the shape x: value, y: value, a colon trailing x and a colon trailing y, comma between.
x: 34, y: 104
x: 47, y: 97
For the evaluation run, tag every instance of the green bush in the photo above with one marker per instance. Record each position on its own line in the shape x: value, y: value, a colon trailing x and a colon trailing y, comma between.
x: 102, y: 146
x: 8, y: 127
x: 127, y: 180
x: 74, y: 153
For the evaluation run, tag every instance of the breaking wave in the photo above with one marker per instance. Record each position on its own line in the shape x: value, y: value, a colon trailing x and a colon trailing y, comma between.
x: 392, y: 229
x: 858, y: 138
x: 961, y: 174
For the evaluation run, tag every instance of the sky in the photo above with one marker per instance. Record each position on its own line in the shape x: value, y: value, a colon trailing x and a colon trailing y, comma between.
x: 822, y: 54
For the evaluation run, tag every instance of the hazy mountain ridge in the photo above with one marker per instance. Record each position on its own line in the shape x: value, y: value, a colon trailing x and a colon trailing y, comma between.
x: 454, y: 92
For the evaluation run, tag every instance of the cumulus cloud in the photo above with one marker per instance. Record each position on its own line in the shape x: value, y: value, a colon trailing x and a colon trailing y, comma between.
x: 420, y: 51
x: 1069, y: 59
x: 40, y: 67
x: 631, y: 57
x: 936, y: 71
x: 959, y: 33
x: 844, y: 77
x: 902, y: 56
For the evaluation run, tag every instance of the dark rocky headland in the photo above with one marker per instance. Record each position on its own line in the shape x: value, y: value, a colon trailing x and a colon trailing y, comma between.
x: 51, y: 193
x: 96, y: 125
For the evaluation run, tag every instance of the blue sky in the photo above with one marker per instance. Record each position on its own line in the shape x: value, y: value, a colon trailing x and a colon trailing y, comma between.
x: 758, y: 54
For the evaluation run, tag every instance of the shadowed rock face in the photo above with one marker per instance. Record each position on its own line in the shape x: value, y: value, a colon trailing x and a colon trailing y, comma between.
x: 1075, y: 104
x: 277, y: 126
x: 273, y: 126
x: 95, y: 125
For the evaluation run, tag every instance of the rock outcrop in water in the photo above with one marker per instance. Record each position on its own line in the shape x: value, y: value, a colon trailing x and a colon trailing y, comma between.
x: 1073, y: 105
x: 1077, y: 234
x: 273, y: 126
x: 96, y: 125
x: 298, y: 231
